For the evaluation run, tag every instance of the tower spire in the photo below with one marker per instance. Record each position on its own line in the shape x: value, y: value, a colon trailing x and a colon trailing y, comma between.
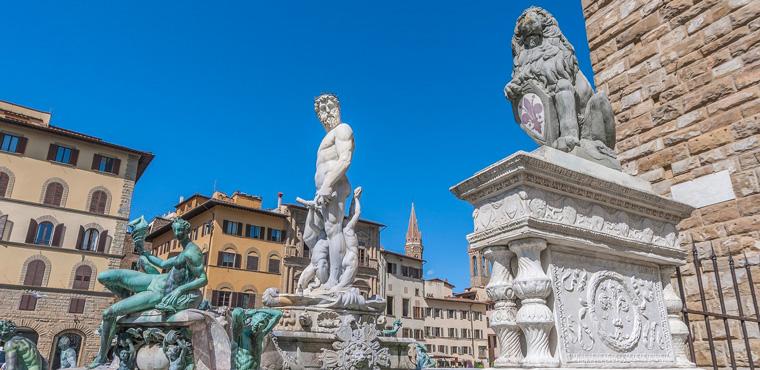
x: 413, y: 247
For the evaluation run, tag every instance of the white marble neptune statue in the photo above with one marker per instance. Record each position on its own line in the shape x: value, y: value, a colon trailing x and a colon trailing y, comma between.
x: 332, y: 242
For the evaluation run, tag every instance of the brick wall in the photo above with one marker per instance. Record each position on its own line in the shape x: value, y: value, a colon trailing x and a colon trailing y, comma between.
x: 682, y: 76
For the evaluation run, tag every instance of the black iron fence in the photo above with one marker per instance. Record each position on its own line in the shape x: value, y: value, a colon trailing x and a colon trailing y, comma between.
x: 718, y: 330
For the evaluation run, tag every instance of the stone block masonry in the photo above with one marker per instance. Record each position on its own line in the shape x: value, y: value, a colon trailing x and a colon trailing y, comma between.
x: 682, y: 76
x: 51, y: 318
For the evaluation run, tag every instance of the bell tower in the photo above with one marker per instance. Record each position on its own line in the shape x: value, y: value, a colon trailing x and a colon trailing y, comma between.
x: 413, y: 246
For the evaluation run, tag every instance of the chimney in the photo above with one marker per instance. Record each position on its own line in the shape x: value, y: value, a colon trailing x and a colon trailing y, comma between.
x: 279, y: 200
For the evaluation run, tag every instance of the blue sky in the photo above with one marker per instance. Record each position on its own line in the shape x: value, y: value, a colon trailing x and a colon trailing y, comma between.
x: 221, y: 93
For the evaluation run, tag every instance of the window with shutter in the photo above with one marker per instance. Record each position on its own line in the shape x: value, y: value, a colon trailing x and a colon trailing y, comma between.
x: 4, y: 181
x: 44, y: 233
x: 62, y: 154
x: 28, y: 302
x: 76, y: 305
x: 103, y: 241
x: 98, y: 202
x: 82, y: 277
x: 221, y: 298
x: 89, y: 241
x: 105, y: 164
x: 53, y: 194
x: 274, y: 264
x: 35, y: 272
x: 252, y: 262
x: 10, y: 143
x: 3, y: 225
x: 226, y: 259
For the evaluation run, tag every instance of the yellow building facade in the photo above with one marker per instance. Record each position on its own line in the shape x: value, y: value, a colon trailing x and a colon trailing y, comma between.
x: 243, y: 246
x: 65, y: 199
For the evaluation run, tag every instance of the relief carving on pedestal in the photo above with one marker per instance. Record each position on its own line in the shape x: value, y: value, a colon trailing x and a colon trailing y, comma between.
x: 519, y: 204
x: 609, y: 311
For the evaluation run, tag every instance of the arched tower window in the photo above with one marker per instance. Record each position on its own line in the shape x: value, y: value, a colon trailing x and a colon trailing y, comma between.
x: 474, y: 265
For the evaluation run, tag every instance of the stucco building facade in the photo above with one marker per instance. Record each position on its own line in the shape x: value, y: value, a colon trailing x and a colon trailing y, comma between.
x: 682, y: 76
x: 65, y: 199
x: 452, y: 326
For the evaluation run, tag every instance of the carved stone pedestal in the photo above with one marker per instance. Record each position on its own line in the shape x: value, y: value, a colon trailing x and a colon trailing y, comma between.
x: 595, y: 249
x: 503, y: 320
x: 310, y: 337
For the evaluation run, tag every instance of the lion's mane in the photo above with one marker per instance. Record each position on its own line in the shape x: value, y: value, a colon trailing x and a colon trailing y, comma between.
x: 551, y: 61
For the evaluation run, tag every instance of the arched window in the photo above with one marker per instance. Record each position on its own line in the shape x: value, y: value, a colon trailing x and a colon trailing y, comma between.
x: 274, y: 264
x: 228, y: 258
x: 35, y: 273
x: 44, y: 233
x: 53, y: 194
x: 220, y: 298
x: 75, y: 340
x: 98, y: 202
x: 82, y: 277
x: 5, y: 180
x: 252, y: 261
x: 484, y: 268
x: 474, y: 265
x: 90, y: 240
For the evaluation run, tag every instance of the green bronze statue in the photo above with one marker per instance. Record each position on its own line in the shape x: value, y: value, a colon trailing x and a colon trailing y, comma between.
x: 249, y: 328
x: 67, y: 355
x: 20, y: 353
x: 176, y: 289
x: 394, y: 330
x: 419, y: 356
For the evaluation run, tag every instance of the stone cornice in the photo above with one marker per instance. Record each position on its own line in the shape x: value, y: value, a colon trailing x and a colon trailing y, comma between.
x: 527, y: 227
x: 524, y: 168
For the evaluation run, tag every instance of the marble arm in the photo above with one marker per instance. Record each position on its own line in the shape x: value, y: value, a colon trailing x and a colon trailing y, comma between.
x: 355, y: 212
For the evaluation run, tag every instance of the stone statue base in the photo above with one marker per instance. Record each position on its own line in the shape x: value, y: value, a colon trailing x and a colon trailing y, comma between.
x: 595, y: 250
x: 347, y: 299
x: 152, y: 334
x: 318, y: 331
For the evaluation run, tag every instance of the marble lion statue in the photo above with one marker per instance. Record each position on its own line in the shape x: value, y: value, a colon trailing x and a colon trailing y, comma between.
x: 544, y: 59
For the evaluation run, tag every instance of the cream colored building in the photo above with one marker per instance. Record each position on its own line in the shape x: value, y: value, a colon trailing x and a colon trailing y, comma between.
x: 404, y: 292
x: 65, y: 199
x: 455, y: 327
x: 452, y: 326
